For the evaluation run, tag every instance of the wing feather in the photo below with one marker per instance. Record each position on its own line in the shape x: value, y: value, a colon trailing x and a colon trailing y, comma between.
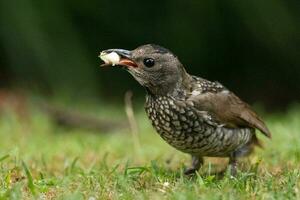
x: 230, y: 110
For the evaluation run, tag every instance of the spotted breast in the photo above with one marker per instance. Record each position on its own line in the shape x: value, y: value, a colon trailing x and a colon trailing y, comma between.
x: 192, y: 131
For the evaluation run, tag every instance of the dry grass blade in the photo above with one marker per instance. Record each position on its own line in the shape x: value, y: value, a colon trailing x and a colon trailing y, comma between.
x: 132, y: 121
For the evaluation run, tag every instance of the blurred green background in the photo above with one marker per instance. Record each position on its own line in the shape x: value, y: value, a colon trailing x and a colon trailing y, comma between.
x: 252, y: 47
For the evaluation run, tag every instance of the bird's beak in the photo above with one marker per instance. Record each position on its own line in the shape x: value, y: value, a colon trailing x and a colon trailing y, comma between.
x: 117, y: 57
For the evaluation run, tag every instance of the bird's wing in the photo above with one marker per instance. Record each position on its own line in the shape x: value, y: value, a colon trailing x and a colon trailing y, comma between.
x: 229, y: 110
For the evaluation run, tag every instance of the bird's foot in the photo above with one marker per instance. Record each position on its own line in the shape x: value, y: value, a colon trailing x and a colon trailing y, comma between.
x: 233, y: 165
x: 197, y: 162
x: 190, y: 171
x: 233, y: 171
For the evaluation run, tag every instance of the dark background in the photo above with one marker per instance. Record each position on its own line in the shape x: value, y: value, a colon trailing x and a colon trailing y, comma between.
x: 252, y: 47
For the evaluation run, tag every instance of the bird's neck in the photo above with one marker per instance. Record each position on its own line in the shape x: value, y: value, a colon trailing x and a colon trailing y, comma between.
x: 176, y: 89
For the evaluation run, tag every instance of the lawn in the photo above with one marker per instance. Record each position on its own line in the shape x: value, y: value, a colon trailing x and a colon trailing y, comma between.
x: 40, y: 160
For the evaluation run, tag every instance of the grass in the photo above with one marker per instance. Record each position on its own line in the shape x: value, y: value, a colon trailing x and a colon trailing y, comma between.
x: 39, y: 160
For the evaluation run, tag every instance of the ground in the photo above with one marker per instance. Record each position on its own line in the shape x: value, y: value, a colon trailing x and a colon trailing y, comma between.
x: 40, y: 160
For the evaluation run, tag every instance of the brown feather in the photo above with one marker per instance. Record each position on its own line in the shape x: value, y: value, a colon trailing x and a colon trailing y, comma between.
x: 228, y: 109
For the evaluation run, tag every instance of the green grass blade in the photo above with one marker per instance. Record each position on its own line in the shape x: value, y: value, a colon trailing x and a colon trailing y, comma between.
x: 4, y: 157
x: 30, y: 183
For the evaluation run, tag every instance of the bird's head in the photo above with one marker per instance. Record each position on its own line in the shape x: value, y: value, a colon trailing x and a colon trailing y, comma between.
x: 154, y: 67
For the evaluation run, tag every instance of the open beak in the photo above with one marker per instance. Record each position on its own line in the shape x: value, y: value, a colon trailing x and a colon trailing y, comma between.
x: 117, y: 57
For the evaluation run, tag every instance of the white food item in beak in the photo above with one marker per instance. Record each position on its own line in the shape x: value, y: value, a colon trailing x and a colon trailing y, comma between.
x: 110, y: 58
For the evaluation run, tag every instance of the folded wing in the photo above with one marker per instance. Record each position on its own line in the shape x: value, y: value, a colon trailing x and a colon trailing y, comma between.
x: 226, y: 108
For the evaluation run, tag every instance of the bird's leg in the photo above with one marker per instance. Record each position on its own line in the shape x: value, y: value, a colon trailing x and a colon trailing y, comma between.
x: 233, y: 164
x: 196, y: 164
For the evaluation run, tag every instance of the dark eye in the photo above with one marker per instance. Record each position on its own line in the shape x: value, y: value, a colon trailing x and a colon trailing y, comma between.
x: 149, y: 62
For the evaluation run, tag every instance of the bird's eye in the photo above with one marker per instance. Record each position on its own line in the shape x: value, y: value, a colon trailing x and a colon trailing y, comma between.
x: 149, y: 62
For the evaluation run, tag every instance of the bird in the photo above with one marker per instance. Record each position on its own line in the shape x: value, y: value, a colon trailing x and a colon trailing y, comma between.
x: 192, y: 114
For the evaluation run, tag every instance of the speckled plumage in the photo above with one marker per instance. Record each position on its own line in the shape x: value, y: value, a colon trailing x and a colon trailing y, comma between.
x: 192, y: 114
x: 192, y: 131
